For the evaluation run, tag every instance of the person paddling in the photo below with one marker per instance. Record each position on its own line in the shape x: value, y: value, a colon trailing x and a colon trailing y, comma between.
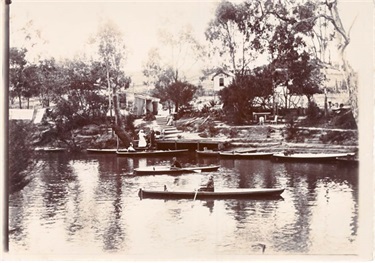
x: 209, y: 187
x: 175, y: 163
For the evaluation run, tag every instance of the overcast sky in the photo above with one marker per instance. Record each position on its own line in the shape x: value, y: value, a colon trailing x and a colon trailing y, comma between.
x: 67, y: 25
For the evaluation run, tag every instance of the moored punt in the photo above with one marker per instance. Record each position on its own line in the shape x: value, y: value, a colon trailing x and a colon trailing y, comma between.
x: 208, y: 152
x: 94, y: 150
x: 151, y: 152
x: 312, y: 157
x: 251, y: 155
x: 251, y: 193
x: 50, y: 149
x: 152, y: 170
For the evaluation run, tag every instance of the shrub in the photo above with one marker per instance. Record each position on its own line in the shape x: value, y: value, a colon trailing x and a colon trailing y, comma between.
x: 22, y: 157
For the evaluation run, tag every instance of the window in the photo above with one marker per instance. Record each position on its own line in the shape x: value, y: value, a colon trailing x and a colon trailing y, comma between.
x: 221, y: 82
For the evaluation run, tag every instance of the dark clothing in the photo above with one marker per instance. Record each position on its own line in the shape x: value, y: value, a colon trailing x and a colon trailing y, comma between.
x: 176, y: 164
x: 152, y: 139
x: 209, y: 187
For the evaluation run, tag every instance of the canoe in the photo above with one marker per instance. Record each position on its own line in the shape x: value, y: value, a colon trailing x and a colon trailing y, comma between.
x: 208, y: 153
x: 151, y: 170
x: 254, y: 155
x: 318, y: 157
x: 151, y: 152
x: 50, y: 149
x: 253, y: 193
x: 94, y: 150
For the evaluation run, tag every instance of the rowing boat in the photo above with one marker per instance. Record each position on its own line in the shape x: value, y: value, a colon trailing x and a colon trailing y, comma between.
x: 151, y: 152
x: 50, y: 149
x: 251, y: 155
x: 208, y: 152
x: 97, y: 150
x: 318, y: 157
x: 151, y: 170
x: 253, y: 193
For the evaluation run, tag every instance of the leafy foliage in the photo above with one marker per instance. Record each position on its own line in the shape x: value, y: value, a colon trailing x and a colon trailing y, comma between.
x: 22, y: 157
x: 239, y: 97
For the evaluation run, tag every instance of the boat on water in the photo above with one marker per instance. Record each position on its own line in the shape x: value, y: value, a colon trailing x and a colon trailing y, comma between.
x: 217, y: 153
x: 251, y: 193
x: 208, y: 152
x: 151, y: 152
x: 249, y: 155
x: 97, y: 150
x: 318, y: 157
x: 50, y: 149
x: 152, y: 170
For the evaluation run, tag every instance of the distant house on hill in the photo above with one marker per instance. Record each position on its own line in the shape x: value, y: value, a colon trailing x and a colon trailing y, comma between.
x: 221, y: 79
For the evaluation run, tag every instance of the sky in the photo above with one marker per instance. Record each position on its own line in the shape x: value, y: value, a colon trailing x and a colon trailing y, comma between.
x: 67, y: 25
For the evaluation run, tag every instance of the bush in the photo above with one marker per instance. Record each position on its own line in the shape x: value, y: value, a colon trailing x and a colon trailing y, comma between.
x: 22, y: 157
x: 313, y: 112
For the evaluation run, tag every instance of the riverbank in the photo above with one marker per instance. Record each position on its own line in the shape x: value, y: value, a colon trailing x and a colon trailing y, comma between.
x: 269, y: 137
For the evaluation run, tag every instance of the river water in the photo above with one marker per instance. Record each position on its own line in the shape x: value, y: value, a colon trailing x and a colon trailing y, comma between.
x: 88, y: 204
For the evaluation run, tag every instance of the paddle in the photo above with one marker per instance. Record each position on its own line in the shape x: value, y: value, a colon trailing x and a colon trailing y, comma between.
x: 195, y: 196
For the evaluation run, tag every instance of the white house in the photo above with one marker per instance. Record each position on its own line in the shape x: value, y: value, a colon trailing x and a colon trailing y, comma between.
x: 140, y: 103
x: 221, y: 79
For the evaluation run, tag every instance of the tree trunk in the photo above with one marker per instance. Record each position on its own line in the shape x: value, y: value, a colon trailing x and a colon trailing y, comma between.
x: 122, y: 134
x: 116, y: 107
x: 20, y: 101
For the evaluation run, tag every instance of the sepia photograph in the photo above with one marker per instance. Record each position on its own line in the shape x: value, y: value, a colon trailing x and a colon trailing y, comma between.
x: 188, y: 130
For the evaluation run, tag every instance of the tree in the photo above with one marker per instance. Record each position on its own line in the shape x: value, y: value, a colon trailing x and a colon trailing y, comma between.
x: 52, y: 81
x: 112, y: 53
x: 169, y: 72
x: 239, y: 98
x: 81, y: 97
x: 17, y: 65
x: 181, y: 93
x: 237, y: 34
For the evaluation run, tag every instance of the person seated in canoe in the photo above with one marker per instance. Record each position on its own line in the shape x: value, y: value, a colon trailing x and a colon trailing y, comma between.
x: 175, y: 163
x: 209, y: 187
x: 131, y: 148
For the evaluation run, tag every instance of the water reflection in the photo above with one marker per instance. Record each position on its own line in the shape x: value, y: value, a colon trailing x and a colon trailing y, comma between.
x: 91, y: 204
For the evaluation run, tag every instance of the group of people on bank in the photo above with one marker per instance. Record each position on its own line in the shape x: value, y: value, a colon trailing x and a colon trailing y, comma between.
x: 144, y: 140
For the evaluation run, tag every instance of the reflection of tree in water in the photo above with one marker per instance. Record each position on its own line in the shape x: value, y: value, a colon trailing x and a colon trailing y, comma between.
x: 110, y: 188
x: 251, y: 217
x: 114, y: 235
x: 17, y: 216
x: 55, y: 178
x: 256, y: 174
x: 305, y: 181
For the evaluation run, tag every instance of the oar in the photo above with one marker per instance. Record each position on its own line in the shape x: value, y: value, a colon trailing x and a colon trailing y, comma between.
x: 195, y: 196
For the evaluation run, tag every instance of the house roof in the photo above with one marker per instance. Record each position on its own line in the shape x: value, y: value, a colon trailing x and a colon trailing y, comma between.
x: 146, y: 97
x: 222, y: 71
